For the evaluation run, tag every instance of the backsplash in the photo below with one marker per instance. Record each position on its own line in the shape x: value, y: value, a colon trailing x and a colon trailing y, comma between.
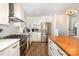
x: 8, y: 29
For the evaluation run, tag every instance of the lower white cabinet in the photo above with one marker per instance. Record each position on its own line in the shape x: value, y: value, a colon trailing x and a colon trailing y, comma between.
x: 13, y: 50
x: 54, y: 50
x: 35, y: 36
x: 4, y: 52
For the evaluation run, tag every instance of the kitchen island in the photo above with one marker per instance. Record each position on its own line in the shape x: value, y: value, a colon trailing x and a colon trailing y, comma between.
x: 69, y: 45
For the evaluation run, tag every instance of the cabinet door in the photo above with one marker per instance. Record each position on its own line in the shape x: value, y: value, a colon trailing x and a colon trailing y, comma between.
x: 54, y: 50
x: 4, y: 13
x: 4, y: 52
x: 32, y: 38
x: 38, y: 36
x: 61, y: 52
x: 14, y: 50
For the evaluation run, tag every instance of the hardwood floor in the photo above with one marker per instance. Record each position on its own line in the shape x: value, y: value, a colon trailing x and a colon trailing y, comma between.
x: 38, y: 49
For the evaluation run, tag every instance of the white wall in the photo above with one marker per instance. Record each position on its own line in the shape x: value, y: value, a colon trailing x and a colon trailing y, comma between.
x: 61, y: 24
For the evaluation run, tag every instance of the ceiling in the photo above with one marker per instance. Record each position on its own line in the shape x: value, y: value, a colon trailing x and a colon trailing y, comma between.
x: 39, y: 9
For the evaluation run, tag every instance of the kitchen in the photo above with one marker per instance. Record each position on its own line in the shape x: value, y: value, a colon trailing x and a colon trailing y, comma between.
x: 35, y: 29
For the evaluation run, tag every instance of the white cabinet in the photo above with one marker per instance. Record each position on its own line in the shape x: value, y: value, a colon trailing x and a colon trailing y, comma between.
x: 54, y: 50
x: 13, y: 50
x: 4, y: 13
x: 18, y: 11
x: 4, y: 52
x: 35, y: 36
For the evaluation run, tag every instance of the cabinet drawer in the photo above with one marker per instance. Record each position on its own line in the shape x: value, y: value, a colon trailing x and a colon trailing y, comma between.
x: 50, y: 53
x: 15, y: 49
x: 4, y: 52
x: 62, y: 52
x: 54, y: 49
x: 15, y: 45
x: 52, y: 44
x: 12, y: 50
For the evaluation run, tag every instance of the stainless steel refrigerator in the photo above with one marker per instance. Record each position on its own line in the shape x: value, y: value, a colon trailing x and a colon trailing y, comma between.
x: 45, y: 31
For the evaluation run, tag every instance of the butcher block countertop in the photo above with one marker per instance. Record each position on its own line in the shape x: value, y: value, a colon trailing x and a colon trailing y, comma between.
x: 68, y: 44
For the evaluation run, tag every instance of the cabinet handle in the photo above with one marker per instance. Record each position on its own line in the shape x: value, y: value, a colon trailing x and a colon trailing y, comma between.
x: 14, y: 46
x: 50, y: 48
x: 59, y: 52
x: 50, y: 42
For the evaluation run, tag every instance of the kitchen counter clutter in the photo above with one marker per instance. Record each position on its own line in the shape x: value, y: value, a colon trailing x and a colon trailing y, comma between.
x: 69, y: 45
x: 9, y: 47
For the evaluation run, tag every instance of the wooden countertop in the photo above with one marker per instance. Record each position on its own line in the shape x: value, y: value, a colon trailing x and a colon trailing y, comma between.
x: 69, y: 44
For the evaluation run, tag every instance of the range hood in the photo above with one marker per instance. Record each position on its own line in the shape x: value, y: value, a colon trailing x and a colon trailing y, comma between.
x: 12, y: 18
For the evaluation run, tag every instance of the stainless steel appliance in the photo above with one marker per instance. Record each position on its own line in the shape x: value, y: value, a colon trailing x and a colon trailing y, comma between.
x: 23, y: 45
x: 45, y: 31
x: 12, y: 18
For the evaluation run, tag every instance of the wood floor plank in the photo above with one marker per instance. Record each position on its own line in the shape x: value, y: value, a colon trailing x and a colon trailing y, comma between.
x: 38, y: 49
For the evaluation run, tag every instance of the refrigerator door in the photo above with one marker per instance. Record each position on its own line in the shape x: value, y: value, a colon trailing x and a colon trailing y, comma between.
x: 45, y: 31
x: 43, y: 27
x: 46, y: 28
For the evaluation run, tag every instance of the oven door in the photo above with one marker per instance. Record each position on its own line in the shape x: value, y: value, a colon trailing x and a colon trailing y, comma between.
x: 23, y: 45
x: 23, y: 49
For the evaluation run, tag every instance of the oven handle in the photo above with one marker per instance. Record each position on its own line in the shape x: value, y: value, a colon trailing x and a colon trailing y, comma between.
x: 23, y: 44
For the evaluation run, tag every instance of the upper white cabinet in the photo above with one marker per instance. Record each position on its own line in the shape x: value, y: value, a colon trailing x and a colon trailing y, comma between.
x: 4, y: 13
x: 18, y: 11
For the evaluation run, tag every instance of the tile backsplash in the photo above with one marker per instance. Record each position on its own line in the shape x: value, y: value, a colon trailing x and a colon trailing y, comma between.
x: 8, y: 29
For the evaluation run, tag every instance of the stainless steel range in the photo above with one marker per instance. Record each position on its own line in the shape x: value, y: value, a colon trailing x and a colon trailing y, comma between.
x: 23, y: 45
x: 24, y: 42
